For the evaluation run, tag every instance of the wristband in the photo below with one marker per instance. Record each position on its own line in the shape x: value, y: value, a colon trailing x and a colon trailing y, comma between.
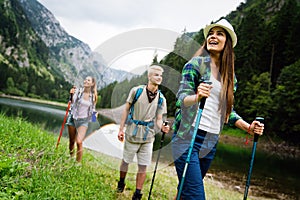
x: 248, y: 131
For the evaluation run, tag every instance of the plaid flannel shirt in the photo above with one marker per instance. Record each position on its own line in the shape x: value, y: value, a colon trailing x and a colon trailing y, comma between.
x: 194, y: 72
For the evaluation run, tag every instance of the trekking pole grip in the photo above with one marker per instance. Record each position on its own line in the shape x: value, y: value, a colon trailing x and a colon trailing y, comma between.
x: 203, y: 99
x: 260, y: 119
x: 202, y: 103
x: 165, y: 123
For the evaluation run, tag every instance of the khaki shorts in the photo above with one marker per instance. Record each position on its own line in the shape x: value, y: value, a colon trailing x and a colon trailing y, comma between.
x: 142, y: 151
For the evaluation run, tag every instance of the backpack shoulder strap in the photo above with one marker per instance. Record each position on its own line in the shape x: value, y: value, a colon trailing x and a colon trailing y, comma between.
x: 137, y: 95
x: 160, y: 98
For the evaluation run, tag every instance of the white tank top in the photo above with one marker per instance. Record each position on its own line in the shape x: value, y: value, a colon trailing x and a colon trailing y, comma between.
x: 211, y: 115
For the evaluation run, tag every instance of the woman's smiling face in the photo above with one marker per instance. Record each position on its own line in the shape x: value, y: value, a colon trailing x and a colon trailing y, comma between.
x: 216, y: 39
x: 88, y: 82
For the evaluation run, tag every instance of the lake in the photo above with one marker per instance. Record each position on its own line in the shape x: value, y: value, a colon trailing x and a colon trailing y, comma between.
x: 49, y: 117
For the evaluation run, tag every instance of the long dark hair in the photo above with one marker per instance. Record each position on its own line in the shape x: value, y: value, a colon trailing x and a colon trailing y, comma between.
x: 226, y: 71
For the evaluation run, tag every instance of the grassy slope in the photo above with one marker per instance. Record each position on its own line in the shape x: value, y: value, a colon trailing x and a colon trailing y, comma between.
x: 31, y: 168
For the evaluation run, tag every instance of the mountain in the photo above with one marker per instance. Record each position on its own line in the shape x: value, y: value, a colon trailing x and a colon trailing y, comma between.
x: 23, y: 57
x: 39, y: 59
x: 68, y: 55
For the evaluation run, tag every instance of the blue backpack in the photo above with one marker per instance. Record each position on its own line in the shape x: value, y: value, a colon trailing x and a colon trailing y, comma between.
x: 130, y: 119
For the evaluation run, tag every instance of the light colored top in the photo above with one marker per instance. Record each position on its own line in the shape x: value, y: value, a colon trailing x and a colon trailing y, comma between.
x: 211, y: 115
x: 82, y: 108
x: 143, y: 111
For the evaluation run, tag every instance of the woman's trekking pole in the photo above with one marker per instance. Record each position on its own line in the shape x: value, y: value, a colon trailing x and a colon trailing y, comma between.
x: 200, y: 109
x: 161, y: 143
x: 260, y: 119
x: 64, y: 121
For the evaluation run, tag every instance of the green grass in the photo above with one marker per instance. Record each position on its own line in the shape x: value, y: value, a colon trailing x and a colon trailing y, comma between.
x: 232, y: 131
x: 31, y: 168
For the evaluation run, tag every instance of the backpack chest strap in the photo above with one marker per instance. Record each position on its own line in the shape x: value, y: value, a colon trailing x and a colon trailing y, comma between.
x: 147, y: 124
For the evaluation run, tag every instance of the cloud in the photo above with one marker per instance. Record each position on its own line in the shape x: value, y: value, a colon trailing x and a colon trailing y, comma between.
x: 169, y: 14
x: 120, y: 13
x: 97, y: 21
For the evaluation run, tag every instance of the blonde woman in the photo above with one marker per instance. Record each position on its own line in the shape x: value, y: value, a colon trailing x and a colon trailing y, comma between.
x: 83, y: 105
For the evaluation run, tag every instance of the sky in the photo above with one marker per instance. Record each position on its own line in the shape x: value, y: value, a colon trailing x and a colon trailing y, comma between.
x: 96, y: 22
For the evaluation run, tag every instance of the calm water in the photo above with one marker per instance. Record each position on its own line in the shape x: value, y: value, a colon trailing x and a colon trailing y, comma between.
x: 49, y: 117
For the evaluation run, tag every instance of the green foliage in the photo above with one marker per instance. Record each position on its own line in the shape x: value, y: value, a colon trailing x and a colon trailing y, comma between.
x: 155, y: 61
x: 10, y: 82
x: 14, y: 91
x: 267, y: 43
x: 115, y: 94
x: 24, y: 58
x: 286, y: 109
x: 256, y: 97
x: 11, y: 89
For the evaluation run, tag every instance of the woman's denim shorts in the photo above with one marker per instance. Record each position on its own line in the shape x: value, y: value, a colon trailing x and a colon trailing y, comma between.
x: 77, y: 122
x: 81, y: 122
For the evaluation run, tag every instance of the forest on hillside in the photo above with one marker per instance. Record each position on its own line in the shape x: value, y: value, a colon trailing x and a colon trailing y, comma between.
x: 267, y: 66
x: 24, y: 68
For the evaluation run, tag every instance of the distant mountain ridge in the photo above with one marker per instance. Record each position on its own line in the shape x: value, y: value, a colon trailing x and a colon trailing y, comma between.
x: 68, y: 55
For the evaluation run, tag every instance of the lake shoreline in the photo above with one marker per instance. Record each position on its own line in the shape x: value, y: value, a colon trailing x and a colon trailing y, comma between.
x: 111, y: 113
x: 34, y: 100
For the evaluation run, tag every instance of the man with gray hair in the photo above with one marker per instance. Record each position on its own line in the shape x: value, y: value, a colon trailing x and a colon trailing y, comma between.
x: 144, y: 110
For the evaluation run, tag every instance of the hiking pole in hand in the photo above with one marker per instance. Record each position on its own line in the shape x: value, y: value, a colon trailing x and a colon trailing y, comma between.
x: 200, y: 109
x: 64, y: 121
x: 161, y: 143
x: 260, y: 119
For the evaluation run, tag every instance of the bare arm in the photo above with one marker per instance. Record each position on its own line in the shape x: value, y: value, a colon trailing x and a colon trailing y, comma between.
x: 203, y: 91
x: 123, y: 120
x: 254, y: 127
x: 160, y: 125
x: 159, y: 121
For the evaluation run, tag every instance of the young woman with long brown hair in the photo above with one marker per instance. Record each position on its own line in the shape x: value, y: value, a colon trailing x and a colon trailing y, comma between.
x: 213, y: 62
